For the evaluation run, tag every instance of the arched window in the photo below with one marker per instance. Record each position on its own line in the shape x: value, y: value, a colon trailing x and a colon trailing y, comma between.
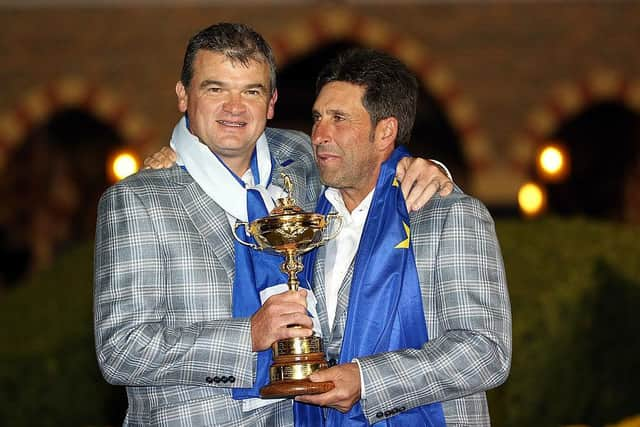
x: 603, y: 144
x: 50, y: 186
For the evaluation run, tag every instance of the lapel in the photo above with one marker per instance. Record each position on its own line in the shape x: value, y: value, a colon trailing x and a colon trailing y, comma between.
x: 330, y: 332
x: 343, y: 302
x: 319, y: 291
x: 211, y: 221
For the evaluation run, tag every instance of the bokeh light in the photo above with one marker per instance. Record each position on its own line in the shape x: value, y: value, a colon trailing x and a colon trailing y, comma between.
x: 532, y: 199
x: 553, y: 162
x: 122, y: 165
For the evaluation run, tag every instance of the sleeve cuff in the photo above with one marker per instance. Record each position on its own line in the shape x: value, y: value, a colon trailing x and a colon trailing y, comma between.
x: 443, y: 167
x: 362, y: 393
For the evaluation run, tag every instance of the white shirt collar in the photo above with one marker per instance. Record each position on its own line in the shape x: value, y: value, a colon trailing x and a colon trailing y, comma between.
x: 334, y: 197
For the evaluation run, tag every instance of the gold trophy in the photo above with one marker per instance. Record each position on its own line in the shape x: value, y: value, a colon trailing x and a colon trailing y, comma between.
x: 290, y: 232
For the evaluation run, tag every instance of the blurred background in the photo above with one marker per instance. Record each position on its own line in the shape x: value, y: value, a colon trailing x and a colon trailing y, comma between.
x: 533, y: 105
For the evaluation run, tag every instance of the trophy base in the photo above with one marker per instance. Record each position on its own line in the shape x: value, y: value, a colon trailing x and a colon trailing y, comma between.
x: 293, y: 388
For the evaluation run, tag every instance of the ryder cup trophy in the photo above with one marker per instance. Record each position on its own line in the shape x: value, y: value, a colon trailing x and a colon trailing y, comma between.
x: 290, y: 232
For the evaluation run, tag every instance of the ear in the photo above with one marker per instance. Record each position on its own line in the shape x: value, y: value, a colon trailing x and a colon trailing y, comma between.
x: 386, y: 133
x: 183, y: 98
x: 272, y: 104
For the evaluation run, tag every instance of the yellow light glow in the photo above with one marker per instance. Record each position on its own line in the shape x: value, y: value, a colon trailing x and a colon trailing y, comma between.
x: 123, y: 165
x: 551, y: 159
x: 553, y: 162
x: 531, y: 199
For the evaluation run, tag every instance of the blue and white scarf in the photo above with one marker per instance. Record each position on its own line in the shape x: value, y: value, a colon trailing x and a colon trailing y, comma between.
x: 251, y: 266
x: 385, y: 310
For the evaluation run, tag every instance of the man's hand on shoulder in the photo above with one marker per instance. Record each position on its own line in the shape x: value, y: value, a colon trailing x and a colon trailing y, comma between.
x: 420, y: 179
x: 163, y: 159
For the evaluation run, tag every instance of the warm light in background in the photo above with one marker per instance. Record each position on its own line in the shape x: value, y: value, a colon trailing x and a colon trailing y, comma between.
x: 553, y: 162
x: 532, y: 199
x: 122, y: 165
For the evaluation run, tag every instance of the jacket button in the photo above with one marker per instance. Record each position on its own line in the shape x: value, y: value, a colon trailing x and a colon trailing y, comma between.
x: 209, y: 380
x: 387, y: 413
x: 332, y: 362
x: 224, y: 379
x: 395, y: 411
x: 403, y: 408
x: 216, y: 379
x: 232, y: 379
x: 379, y: 414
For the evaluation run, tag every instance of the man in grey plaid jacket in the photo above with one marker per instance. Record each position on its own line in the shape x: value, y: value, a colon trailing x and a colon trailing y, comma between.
x: 164, y: 256
x: 465, y: 305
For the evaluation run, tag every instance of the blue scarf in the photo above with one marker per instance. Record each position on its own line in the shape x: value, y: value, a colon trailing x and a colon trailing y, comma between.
x: 251, y: 266
x: 385, y: 310
x: 257, y: 267
x: 263, y: 269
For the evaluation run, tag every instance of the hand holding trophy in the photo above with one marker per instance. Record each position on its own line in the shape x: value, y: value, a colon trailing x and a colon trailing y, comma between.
x: 290, y: 232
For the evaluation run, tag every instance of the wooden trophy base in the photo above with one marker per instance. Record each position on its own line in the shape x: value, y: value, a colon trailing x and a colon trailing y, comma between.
x: 292, y: 388
x: 294, y: 359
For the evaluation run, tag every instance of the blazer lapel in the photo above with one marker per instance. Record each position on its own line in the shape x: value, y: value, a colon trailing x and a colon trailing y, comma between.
x: 211, y: 221
x: 343, y: 303
x: 319, y: 291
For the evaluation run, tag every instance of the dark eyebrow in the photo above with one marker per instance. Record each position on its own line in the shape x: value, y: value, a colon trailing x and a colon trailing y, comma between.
x: 315, y: 112
x: 206, y: 83
x: 256, y: 86
x: 339, y: 113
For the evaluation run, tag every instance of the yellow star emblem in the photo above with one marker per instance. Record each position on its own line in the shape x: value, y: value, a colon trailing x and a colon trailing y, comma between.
x: 405, y: 243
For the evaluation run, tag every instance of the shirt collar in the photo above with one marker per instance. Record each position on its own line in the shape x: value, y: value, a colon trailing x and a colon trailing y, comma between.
x: 334, y: 197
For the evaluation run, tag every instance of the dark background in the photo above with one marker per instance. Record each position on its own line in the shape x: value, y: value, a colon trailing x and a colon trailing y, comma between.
x: 573, y: 272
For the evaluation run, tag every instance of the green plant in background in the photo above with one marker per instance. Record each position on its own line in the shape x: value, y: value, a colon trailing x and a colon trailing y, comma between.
x: 574, y: 287
x: 48, y: 370
x: 615, y: 301
x: 575, y: 292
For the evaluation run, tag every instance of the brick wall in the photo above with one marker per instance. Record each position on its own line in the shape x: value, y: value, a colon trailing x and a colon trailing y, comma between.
x: 505, y: 56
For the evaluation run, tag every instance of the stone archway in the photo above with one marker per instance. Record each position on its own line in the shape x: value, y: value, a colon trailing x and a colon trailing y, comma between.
x: 565, y: 100
x: 40, y: 103
x: 50, y: 202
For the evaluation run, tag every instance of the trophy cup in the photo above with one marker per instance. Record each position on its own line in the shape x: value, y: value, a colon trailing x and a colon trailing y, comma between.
x: 290, y: 232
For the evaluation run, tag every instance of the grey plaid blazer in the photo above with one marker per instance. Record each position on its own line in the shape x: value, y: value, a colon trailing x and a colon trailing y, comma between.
x: 467, y: 312
x: 164, y: 269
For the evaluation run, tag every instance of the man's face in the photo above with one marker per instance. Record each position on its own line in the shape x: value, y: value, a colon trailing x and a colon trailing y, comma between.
x: 346, y: 149
x: 228, y: 105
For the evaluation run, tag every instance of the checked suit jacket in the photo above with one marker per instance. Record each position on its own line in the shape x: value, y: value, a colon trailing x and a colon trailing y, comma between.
x: 164, y: 271
x: 467, y: 313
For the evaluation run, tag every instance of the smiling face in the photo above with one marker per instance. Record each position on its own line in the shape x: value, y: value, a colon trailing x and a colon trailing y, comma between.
x: 228, y: 105
x: 348, y: 149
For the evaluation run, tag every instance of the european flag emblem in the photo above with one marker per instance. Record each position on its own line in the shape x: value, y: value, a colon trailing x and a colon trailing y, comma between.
x: 405, y: 243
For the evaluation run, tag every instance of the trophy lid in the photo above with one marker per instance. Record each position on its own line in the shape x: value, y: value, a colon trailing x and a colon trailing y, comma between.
x: 286, y: 205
